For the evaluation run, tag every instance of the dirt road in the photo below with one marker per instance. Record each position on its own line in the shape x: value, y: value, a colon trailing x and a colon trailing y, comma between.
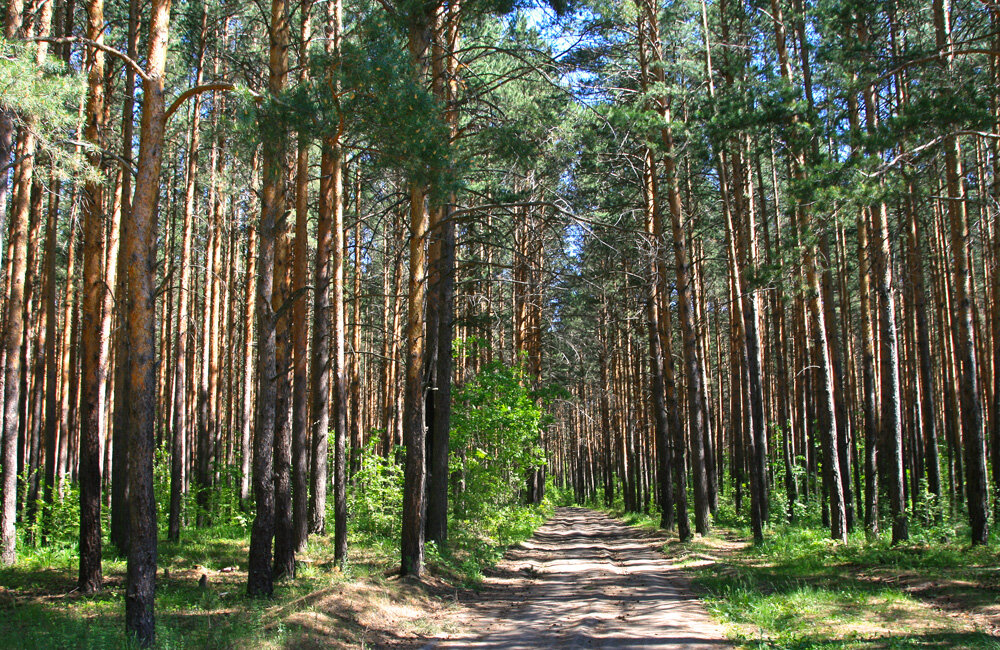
x: 586, y: 581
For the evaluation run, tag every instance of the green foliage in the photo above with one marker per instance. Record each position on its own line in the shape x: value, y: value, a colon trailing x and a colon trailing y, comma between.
x: 58, y: 523
x: 496, y: 420
x: 369, y: 95
x: 47, y: 94
x: 475, y: 544
x: 800, y: 589
x: 559, y: 496
x: 224, y: 499
x: 62, y: 517
x: 375, y: 495
x: 223, y: 506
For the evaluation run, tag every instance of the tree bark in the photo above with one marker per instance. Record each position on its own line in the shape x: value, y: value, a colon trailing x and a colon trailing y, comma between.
x: 179, y: 429
x: 91, y: 372
x: 300, y: 324
x: 259, y: 576
x: 414, y: 431
x: 973, y: 434
x: 119, y: 435
x: 13, y: 335
x: 414, y: 424
x: 827, y: 381
x: 140, y: 246
x: 661, y: 425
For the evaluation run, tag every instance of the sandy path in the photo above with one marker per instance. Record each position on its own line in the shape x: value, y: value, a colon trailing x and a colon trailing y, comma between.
x: 586, y: 581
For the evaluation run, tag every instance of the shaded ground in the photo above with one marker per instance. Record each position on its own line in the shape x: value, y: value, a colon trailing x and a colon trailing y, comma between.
x: 801, y: 590
x: 323, y: 608
x: 585, y: 580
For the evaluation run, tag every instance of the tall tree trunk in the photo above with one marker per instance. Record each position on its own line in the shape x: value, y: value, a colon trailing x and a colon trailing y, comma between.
x: 443, y: 290
x: 973, y: 435
x: 827, y: 381
x: 744, y: 253
x: 330, y: 202
x: 686, y: 309
x: 414, y: 432
x: 891, y: 421
x: 259, y: 578
x: 140, y: 245
x: 91, y: 373
x: 51, y: 354
x: 207, y: 386
x: 119, y: 435
x: 339, y: 339
x: 179, y: 428
x: 300, y: 326
x: 661, y: 426
x: 437, y: 505
x: 13, y: 335
x: 414, y: 426
x: 247, y: 421
x: 284, y: 549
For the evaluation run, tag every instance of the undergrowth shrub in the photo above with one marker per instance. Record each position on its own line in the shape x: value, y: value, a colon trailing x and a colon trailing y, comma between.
x: 495, y: 439
x: 375, y: 495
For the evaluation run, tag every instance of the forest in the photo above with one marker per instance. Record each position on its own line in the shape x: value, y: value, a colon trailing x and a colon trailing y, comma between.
x: 356, y: 292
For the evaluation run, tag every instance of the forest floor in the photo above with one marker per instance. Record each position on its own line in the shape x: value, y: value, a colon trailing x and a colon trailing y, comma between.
x: 585, y: 580
x: 801, y: 590
x: 201, y: 601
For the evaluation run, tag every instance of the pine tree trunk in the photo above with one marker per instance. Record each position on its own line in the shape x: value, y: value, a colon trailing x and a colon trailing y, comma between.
x: 179, y: 428
x: 414, y: 432
x: 14, y: 332
x: 119, y: 425
x: 973, y: 434
x: 91, y: 373
x: 51, y: 354
x: 247, y: 419
x: 140, y: 247
x: 414, y: 429
x: 300, y: 324
x: 891, y: 421
x: 692, y: 362
x: 284, y: 549
x: 339, y: 333
x: 437, y: 501
x: 827, y: 381
x: 259, y: 578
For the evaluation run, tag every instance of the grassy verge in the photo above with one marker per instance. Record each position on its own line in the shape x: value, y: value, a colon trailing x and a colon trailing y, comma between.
x: 800, y: 590
x: 360, y: 605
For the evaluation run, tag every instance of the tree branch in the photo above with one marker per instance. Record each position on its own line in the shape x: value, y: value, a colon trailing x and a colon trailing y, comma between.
x: 928, y: 59
x: 197, y: 90
x: 132, y: 63
x: 191, y: 92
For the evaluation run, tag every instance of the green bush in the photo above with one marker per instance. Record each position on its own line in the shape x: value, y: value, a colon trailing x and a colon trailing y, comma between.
x: 223, y: 508
x: 375, y: 496
x: 495, y: 438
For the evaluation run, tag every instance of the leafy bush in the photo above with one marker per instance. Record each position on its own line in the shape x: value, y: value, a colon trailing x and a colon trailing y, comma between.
x: 375, y: 497
x: 57, y: 523
x: 62, y: 517
x: 223, y: 508
x: 495, y: 438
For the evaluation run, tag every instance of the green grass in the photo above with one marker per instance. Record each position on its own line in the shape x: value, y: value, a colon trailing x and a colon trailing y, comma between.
x: 39, y: 607
x: 801, y: 590
x: 478, y: 545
